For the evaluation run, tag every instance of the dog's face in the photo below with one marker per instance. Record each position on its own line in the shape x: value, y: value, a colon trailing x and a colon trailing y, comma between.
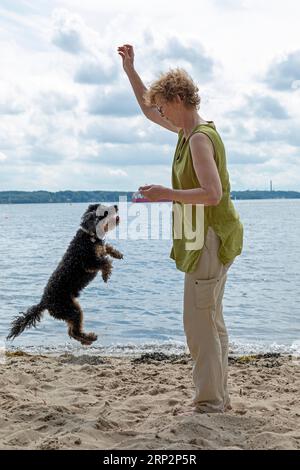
x: 99, y: 219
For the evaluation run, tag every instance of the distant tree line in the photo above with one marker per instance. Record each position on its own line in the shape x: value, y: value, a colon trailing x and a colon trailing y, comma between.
x: 32, y: 197
x: 265, y: 194
x: 29, y: 197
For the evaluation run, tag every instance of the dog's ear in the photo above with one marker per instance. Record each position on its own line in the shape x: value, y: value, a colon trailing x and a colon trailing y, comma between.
x: 91, y: 208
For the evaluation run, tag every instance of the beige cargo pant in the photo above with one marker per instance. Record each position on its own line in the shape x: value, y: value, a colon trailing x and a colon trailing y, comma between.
x: 204, y: 327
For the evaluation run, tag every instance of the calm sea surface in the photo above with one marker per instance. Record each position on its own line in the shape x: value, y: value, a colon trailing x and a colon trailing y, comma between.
x: 140, y: 309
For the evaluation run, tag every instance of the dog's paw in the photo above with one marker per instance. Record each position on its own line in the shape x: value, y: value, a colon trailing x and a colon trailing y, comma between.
x: 106, y: 276
x: 117, y: 254
x: 91, y: 337
x: 88, y: 338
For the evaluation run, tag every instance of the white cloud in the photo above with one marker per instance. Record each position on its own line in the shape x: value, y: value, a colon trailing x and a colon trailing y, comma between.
x: 68, y: 31
x: 191, y: 56
x: 69, y: 118
x: 284, y: 73
x: 261, y: 105
x: 117, y: 102
x: 232, y: 4
x: 93, y: 72
x: 117, y: 172
x: 121, y: 130
x: 11, y: 101
x: 2, y: 157
x: 52, y: 102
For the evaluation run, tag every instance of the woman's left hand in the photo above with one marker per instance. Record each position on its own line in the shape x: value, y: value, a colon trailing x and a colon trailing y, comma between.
x: 154, y: 192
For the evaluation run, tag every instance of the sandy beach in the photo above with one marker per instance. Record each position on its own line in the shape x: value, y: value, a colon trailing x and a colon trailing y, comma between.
x: 93, y: 402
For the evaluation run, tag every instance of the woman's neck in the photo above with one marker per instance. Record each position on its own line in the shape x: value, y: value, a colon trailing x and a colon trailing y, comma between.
x: 190, y: 121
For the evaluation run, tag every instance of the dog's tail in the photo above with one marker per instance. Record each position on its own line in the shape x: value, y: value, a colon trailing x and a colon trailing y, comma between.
x: 26, y: 320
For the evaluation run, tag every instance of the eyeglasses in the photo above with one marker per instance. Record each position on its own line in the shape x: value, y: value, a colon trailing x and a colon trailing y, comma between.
x: 160, y: 110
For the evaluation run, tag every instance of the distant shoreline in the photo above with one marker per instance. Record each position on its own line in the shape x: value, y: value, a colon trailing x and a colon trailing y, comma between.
x: 47, y: 197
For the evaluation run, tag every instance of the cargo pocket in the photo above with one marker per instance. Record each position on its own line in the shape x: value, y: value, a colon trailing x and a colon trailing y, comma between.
x: 205, y: 292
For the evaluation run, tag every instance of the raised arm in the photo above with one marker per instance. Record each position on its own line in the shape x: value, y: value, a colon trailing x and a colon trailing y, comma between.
x: 127, y: 53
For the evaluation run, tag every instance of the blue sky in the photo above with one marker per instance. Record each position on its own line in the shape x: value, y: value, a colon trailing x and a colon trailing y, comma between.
x: 69, y: 119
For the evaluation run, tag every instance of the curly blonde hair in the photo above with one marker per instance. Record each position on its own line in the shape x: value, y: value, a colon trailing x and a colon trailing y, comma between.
x: 168, y: 85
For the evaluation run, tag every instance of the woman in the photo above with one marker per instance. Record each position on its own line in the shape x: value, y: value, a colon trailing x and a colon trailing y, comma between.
x: 199, y: 176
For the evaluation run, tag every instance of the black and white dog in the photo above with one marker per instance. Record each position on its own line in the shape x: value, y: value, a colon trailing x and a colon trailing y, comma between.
x: 86, y: 255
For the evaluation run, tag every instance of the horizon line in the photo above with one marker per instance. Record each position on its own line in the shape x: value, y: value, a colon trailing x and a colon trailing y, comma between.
x: 131, y: 191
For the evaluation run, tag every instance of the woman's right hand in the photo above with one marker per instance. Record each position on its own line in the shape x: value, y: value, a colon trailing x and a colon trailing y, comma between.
x: 127, y: 54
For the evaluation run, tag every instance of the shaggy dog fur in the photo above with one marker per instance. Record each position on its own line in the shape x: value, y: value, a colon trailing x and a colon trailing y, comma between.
x: 86, y: 255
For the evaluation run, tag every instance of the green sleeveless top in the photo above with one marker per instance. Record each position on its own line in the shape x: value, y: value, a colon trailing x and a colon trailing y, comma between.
x: 223, y: 218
